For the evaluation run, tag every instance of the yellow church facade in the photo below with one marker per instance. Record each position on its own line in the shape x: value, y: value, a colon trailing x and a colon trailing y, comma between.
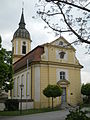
x: 50, y: 63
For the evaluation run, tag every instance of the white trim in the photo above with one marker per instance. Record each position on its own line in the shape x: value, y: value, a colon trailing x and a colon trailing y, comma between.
x: 58, y: 70
x: 37, y: 84
x: 21, y: 48
x: 16, y: 46
x: 22, y: 79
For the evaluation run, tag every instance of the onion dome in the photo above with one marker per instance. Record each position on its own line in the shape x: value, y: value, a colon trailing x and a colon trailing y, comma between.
x: 21, y: 32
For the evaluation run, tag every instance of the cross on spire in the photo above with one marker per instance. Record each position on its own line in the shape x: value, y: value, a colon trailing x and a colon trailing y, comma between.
x: 22, y: 22
x: 22, y: 6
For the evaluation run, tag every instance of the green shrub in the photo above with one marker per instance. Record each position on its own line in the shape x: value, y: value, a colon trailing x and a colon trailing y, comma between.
x: 86, y: 100
x: 85, y: 90
x: 11, y: 105
x: 52, y: 91
x: 77, y: 115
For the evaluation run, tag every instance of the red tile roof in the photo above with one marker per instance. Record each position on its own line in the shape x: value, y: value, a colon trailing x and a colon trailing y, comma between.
x: 34, y: 55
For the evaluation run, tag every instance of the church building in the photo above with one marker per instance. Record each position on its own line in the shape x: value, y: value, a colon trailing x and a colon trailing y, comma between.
x: 51, y: 63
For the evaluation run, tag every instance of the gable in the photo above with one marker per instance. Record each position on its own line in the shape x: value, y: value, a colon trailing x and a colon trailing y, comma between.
x: 62, y: 42
x: 61, y: 53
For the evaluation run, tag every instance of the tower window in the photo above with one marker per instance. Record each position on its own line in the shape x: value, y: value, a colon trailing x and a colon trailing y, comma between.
x: 24, y: 48
x: 62, y: 75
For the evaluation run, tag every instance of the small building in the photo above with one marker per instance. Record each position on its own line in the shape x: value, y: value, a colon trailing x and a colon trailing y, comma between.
x: 50, y: 63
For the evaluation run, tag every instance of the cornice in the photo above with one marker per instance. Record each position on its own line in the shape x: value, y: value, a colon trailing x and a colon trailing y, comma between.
x: 51, y: 63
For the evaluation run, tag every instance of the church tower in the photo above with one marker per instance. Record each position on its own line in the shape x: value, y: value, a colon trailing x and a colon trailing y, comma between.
x: 21, y: 42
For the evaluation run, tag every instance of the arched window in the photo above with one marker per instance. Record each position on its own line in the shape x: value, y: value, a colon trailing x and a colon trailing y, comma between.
x: 18, y: 86
x: 62, y: 75
x: 22, y: 82
x: 24, y: 48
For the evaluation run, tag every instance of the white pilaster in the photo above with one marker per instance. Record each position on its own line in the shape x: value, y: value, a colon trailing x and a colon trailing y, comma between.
x: 37, y: 84
x: 16, y: 46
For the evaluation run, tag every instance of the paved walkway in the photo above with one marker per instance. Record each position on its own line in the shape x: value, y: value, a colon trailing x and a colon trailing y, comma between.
x: 56, y: 115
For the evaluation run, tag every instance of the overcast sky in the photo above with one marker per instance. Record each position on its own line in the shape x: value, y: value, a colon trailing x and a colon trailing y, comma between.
x: 10, y: 13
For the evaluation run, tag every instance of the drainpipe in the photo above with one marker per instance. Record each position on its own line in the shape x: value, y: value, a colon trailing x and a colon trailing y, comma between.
x: 31, y: 82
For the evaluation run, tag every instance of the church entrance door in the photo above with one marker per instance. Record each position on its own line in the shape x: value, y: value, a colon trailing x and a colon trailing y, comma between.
x: 63, y: 97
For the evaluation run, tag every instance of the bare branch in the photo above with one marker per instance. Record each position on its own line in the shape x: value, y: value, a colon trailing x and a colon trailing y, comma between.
x: 48, y: 14
x: 68, y: 3
x: 87, y: 4
x: 78, y: 36
x: 60, y: 31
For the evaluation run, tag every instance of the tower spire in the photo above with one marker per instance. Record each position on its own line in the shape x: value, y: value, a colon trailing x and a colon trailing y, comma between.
x: 22, y: 22
x: 22, y: 6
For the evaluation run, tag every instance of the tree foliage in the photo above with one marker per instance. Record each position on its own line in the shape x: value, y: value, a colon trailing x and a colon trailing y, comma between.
x: 85, y: 90
x: 6, y: 71
x: 52, y: 91
x: 67, y: 16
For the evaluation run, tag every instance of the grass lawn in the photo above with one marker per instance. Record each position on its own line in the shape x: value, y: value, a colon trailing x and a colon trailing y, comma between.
x: 26, y: 112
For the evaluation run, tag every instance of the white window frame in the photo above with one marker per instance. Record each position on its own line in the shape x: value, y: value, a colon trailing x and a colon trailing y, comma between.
x: 62, y: 75
x: 58, y: 70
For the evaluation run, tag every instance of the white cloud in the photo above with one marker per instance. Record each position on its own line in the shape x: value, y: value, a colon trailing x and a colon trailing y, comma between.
x: 85, y: 77
x: 6, y: 40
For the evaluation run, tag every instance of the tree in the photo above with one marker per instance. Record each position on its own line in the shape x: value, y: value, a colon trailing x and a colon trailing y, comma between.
x: 52, y: 91
x: 6, y: 71
x: 67, y: 16
x: 77, y: 114
x: 85, y: 90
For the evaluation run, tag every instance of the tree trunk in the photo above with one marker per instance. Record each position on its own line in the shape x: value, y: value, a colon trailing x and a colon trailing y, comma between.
x: 52, y: 102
